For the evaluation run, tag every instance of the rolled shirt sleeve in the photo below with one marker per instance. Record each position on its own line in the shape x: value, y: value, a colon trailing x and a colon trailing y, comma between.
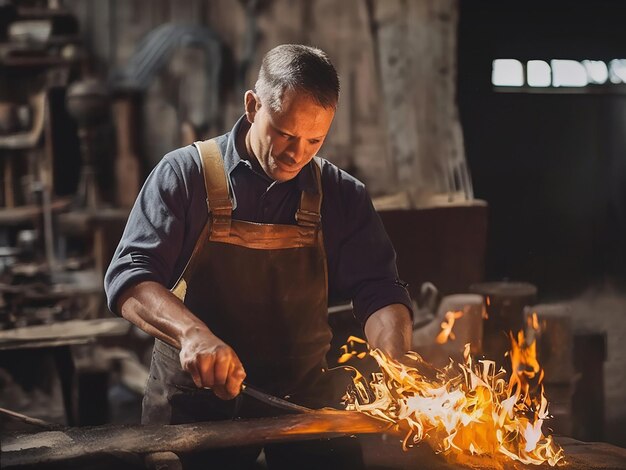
x: 363, y: 268
x: 151, y: 243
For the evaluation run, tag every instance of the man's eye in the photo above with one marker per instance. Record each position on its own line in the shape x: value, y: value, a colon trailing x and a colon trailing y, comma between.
x: 314, y: 141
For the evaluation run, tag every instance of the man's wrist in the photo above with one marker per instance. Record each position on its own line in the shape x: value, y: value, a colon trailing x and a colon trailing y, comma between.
x: 389, y: 329
x: 193, y: 332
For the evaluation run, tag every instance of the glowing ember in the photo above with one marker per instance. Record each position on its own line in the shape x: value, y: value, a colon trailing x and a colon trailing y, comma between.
x: 462, y: 408
x: 348, y: 350
x: 534, y: 321
x: 446, y: 327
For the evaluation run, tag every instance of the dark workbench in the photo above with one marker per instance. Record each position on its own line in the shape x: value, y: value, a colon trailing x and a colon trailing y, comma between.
x: 120, y: 447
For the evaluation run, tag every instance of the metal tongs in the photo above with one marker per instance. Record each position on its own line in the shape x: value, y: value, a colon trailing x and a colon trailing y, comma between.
x: 257, y: 394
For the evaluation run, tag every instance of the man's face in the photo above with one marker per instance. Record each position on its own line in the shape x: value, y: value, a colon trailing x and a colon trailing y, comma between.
x: 285, y: 141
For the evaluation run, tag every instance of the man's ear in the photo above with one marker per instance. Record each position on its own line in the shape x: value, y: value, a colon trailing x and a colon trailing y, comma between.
x: 251, y: 105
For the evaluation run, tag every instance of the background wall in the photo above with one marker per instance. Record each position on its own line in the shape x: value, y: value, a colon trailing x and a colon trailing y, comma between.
x: 398, y: 134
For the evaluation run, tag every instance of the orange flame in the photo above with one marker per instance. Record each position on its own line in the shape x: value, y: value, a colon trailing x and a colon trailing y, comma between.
x: 447, y: 325
x: 349, y: 350
x: 463, y: 408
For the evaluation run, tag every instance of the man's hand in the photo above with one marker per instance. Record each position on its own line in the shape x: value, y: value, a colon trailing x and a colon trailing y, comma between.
x: 212, y: 363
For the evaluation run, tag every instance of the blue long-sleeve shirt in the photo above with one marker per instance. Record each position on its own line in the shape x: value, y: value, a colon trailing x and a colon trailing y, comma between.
x: 171, y: 211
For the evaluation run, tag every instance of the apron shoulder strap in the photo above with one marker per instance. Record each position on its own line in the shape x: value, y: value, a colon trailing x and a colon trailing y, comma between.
x: 309, y: 212
x: 218, y: 200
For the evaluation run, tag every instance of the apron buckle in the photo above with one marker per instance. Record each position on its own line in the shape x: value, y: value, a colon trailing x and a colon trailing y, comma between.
x: 308, y: 218
x: 221, y: 216
x: 220, y: 224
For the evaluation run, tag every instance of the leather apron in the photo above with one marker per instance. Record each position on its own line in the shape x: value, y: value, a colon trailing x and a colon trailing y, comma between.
x: 261, y: 288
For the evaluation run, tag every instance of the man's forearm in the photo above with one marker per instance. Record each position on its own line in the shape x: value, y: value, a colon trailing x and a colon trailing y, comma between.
x: 390, y: 330
x: 158, y: 312
x: 210, y: 362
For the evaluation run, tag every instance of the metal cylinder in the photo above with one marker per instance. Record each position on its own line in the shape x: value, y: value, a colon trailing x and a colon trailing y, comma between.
x: 504, y: 306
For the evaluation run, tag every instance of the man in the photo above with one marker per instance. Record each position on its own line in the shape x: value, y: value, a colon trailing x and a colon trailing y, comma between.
x: 251, y: 274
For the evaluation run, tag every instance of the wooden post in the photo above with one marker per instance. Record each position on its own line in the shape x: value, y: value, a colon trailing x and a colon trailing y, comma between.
x: 126, y: 163
x: 417, y: 61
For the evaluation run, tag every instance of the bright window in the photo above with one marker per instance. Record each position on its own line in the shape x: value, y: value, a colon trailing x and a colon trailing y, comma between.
x: 568, y: 73
x: 617, y: 71
x: 538, y: 73
x: 597, y: 71
x: 558, y: 73
x: 507, y: 72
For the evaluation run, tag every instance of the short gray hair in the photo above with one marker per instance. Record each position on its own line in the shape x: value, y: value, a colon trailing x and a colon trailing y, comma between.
x: 297, y: 67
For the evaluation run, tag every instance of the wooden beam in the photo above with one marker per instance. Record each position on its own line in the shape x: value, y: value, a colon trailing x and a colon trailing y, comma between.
x: 73, y: 443
x: 91, y: 443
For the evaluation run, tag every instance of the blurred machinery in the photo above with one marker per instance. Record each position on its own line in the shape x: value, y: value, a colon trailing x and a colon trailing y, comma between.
x: 70, y: 171
x: 40, y: 53
x: 55, y: 225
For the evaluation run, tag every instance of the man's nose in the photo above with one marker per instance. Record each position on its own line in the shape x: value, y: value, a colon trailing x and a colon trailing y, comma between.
x: 296, y: 150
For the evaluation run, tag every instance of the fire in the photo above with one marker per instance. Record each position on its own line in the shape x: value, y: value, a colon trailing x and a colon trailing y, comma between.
x: 348, y: 350
x: 447, y: 325
x: 463, y: 408
x: 534, y: 321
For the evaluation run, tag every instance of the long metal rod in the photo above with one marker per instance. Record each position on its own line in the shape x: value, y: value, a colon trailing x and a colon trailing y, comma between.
x: 273, y: 401
x: 60, y: 446
x: 28, y: 420
x: 263, y: 397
